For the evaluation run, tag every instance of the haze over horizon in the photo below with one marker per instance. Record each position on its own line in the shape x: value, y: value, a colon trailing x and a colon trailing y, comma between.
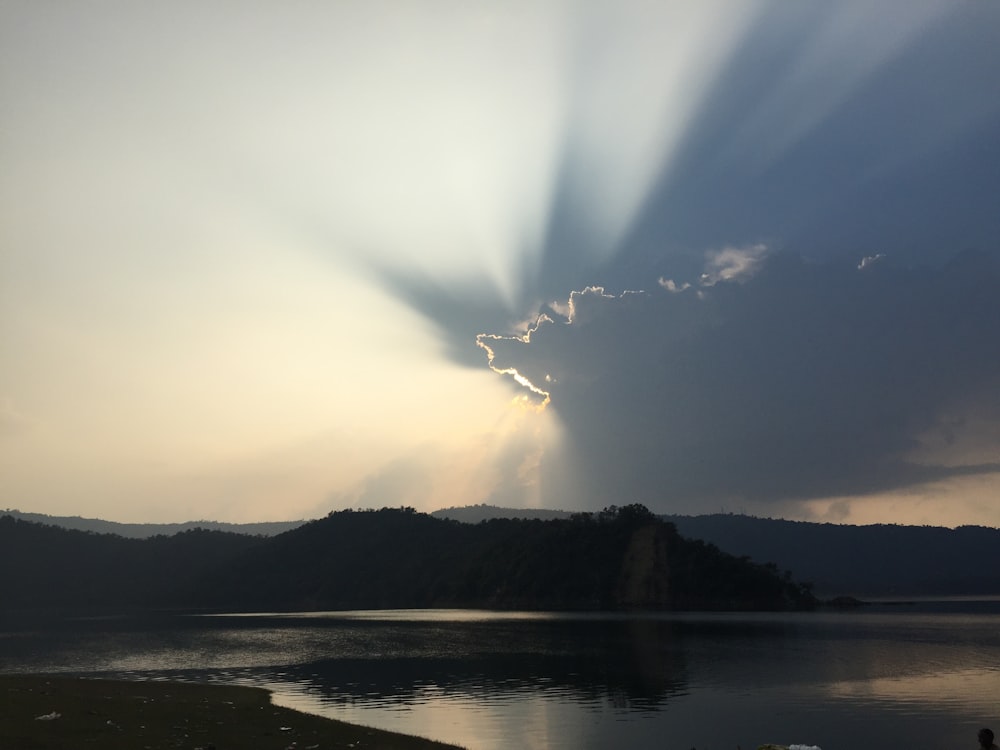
x: 261, y: 261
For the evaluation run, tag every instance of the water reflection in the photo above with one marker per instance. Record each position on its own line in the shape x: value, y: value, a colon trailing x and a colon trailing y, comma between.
x: 489, y: 680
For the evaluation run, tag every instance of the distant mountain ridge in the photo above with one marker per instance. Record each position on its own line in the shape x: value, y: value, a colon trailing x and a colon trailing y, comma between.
x: 884, y: 560
x: 146, y: 530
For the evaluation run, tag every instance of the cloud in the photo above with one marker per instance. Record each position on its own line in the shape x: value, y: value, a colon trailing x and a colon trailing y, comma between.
x: 837, y: 131
x: 821, y: 137
x: 805, y: 381
x: 732, y: 263
x: 212, y: 239
x: 672, y: 286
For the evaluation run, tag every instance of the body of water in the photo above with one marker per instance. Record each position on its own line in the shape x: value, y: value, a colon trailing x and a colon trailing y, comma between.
x: 924, y: 676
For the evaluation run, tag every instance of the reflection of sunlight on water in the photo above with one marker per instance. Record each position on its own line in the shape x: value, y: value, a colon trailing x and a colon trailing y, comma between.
x: 478, y: 721
x: 216, y: 650
x: 971, y: 690
x: 403, y: 615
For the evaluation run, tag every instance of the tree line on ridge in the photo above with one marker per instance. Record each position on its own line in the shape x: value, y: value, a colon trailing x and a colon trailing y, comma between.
x: 621, y: 558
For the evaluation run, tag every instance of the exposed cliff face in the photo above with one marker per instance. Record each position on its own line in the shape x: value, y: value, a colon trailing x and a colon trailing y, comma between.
x: 644, y: 577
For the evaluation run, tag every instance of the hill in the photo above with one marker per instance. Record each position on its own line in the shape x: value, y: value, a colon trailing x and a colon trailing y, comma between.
x: 618, y: 559
x: 52, y: 567
x: 866, y: 561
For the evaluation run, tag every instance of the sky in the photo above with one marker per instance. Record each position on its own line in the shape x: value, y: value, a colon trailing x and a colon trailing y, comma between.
x: 262, y: 260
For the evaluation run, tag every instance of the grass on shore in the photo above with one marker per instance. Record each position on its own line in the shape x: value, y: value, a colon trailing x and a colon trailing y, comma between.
x: 47, y: 712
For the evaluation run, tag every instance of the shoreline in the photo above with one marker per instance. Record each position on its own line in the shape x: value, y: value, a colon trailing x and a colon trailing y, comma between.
x: 58, y: 712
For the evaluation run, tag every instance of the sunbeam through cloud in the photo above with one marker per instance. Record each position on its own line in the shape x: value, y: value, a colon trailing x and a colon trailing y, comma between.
x: 285, y: 250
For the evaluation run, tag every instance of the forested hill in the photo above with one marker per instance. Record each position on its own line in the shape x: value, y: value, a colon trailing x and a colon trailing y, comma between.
x: 618, y: 559
x: 52, y: 567
x: 864, y: 561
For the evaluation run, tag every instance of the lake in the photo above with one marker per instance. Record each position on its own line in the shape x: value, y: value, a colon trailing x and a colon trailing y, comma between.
x: 916, y: 676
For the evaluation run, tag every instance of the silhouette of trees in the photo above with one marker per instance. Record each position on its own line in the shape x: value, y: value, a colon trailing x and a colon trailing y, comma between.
x: 619, y: 557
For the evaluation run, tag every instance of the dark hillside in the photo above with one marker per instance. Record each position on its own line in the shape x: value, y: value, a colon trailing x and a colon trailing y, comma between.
x: 350, y: 559
x: 620, y: 558
x: 46, y: 566
x: 876, y: 560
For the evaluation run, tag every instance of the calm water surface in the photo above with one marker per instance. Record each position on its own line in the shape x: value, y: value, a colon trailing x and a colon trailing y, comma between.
x: 916, y: 677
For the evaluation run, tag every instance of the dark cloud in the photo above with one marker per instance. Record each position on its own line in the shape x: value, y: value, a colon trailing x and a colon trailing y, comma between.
x: 814, y: 378
x: 829, y: 146
x: 806, y: 380
x: 904, y: 156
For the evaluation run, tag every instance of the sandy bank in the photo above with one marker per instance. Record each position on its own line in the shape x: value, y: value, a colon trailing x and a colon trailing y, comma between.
x: 67, y: 713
